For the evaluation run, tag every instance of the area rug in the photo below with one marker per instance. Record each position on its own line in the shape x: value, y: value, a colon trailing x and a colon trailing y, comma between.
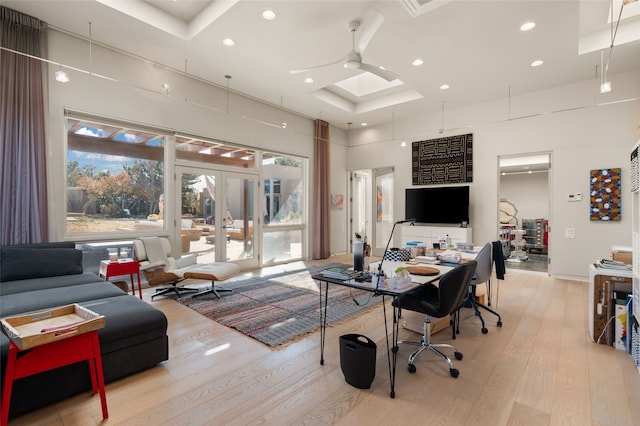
x: 279, y: 308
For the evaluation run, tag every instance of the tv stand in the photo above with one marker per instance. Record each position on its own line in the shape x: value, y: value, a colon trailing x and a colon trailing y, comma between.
x: 428, y: 234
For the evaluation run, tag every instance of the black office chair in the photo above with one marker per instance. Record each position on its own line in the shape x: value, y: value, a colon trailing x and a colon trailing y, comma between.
x: 482, y: 275
x: 438, y: 301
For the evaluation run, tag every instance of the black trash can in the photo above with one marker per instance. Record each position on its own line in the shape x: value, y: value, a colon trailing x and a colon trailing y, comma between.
x: 358, y: 360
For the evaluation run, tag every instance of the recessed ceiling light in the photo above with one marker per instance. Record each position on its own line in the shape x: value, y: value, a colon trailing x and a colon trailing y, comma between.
x: 363, y: 124
x: 417, y: 62
x: 269, y: 15
x: 444, y: 87
x: 527, y: 26
x: 308, y: 80
x: 228, y: 42
x: 537, y: 63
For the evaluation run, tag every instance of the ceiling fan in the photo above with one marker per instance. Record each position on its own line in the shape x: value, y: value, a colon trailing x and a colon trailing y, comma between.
x: 353, y: 59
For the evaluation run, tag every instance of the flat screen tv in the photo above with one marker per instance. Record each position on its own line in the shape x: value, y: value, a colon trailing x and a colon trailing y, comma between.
x: 442, y: 205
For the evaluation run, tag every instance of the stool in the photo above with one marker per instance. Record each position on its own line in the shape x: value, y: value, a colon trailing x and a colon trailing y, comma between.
x: 218, y: 271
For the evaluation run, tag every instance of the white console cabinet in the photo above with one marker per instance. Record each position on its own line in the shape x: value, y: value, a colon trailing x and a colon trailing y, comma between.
x: 429, y: 234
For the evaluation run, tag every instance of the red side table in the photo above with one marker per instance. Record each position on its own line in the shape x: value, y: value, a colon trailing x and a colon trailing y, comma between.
x: 53, y: 355
x: 129, y: 267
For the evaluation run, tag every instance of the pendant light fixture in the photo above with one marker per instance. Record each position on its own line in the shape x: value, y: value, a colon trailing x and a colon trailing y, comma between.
x: 605, y: 84
x: 284, y: 123
x: 90, y: 51
x: 228, y: 77
x: 393, y: 126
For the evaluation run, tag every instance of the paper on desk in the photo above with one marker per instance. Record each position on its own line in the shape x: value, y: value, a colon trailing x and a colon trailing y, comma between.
x: 453, y: 253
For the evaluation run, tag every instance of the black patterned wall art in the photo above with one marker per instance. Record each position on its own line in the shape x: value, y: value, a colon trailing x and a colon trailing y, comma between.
x: 443, y: 160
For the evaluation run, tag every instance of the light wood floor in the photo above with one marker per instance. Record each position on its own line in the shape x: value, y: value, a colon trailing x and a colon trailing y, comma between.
x: 540, y: 368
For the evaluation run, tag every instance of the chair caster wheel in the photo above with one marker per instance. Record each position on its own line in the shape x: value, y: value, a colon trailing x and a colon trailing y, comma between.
x: 411, y: 368
x: 499, y: 323
x: 484, y: 330
x: 454, y: 372
x: 458, y: 355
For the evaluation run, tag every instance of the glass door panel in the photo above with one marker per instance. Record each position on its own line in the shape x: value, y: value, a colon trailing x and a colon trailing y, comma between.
x: 197, y: 214
x: 216, y: 215
x: 240, y: 218
x: 383, y: 213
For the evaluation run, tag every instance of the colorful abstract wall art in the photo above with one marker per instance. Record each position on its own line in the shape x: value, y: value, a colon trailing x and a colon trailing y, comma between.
x: 605, y: 191
x: 379, y: 203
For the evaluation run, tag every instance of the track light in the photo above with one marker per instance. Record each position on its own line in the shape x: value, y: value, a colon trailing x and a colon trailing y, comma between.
x: 62, y: 76
x: 605, y: 87
x: 165, y: 89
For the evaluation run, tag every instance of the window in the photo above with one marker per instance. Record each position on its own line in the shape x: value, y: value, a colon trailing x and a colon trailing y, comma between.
x: 283, y: 192
x: 283, y: 212
x: 115, y: 178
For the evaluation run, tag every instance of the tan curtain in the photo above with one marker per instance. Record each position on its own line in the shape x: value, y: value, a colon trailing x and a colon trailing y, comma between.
x: 322, y: 191
x: 23, y: 184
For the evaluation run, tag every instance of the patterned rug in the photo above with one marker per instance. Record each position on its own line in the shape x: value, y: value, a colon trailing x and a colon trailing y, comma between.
x: 279, y: 308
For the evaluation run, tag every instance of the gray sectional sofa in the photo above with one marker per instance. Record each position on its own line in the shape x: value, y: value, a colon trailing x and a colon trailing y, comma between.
x: 36, y: 277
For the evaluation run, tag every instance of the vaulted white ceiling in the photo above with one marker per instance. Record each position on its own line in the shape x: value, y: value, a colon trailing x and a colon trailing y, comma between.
x: 476, y: 47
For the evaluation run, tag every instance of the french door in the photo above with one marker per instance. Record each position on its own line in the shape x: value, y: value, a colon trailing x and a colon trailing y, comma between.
x: 217, y: 212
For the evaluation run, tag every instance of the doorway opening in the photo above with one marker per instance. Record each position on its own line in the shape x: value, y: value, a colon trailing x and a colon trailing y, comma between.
x: 372, y: 200
x: 524, y: 210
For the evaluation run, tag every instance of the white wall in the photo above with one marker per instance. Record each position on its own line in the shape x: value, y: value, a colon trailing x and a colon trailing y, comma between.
x: 563, y: 121
x: 132, y: 92
x: 529, y: 193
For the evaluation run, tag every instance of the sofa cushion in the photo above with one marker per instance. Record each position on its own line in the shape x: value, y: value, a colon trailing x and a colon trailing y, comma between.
x: 19, y: 263
x: 29, y: 301
x: 33, y: 284
x: 128, y: 321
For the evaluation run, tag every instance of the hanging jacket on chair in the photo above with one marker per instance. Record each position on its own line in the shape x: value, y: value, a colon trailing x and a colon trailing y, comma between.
x: 498, y: 259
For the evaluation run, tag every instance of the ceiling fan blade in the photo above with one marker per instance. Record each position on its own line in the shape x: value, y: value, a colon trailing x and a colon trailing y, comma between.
x: 387, y: 75
x: 316, y: 67
x: 367, y: 29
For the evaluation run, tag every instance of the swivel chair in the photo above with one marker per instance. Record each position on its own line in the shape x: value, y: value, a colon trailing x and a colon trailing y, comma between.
x: 437, y: 301
x: 482, y: 275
